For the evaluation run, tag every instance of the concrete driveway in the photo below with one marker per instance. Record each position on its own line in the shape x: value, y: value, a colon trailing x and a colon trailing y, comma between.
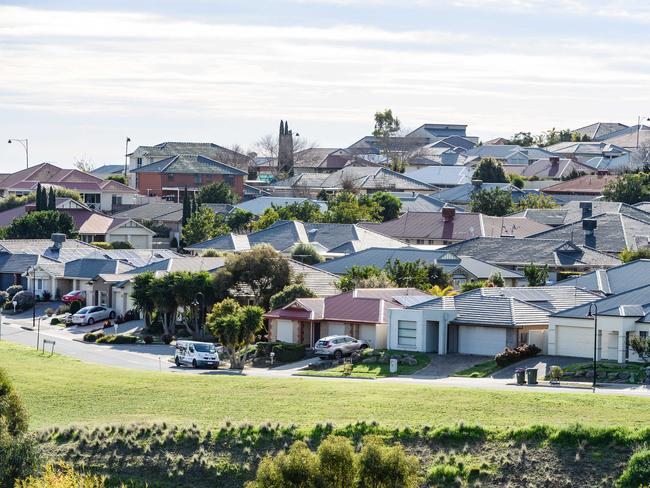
x: 445, y: 366
x: 541, y: 363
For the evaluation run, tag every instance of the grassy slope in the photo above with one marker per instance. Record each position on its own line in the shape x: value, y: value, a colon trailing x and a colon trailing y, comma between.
x: 480, y: 370
x: 61, y: 391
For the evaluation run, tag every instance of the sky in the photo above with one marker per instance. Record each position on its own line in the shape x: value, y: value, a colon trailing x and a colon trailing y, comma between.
x: 78, y: 77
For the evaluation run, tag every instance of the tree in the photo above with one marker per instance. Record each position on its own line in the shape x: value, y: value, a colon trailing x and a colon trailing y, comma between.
x: 141, y: 296
x: 235, y: 327
x: 39, y: 198
x: 383, y: 466
x: 390, y: 205
x: 533, y: 200
x: 119, y: 178
x: 496, y: 202
x: 628, y: 255
x: 51, y: 200
x: 85, y: 165
x: 163, y: 294
x: 187, y: 287
x: 288, y: 294
x: 438, y: 291
x: 516, y: 181
x: 536, y: 275
x: 629, y: 188
x: 40, y: 225
x: 347, y: 208
x: 437, y: 276
x: 413, y: 274
x: 496, y: 279
x: 473, y: 285
x: 524, y: 139
x: 364, y: 277
x: 193, y: 206
x: 306, y: 211
x: 216, y: 193
x: 306, y: 254
x: 489, y: 170
x: 262, y: 270
x: 386, y: 124
x: 641, y: 346
x: 187, y: 207
x: 238, y: 220
x: 202, y: 226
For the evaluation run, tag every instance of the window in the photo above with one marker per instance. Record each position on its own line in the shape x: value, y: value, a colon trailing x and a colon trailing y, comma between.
x: 419, y: 241
x: 229, y: 179
x: 39, y: 284
x: 170, y: 176
x: 139, y: 162
x: 197, y: 179
x: 643, y: 334
x: 406, y: 333
x: 116, y: 200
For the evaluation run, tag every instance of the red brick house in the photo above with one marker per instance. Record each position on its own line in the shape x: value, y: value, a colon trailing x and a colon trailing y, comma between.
x: 170, y: 177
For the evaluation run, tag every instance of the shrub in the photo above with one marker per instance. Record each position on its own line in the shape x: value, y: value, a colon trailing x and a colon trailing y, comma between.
x: 62, y: 476
x: 121, y: 245
x: 102, y: 245
x: 65, y: 308
x: 92, y: 336
x: 75, y: 306
x: 13, y: 289
x: 55, y: 321
x: 8, y: 306
x: 288, y: 353
x: 4, y: 296
x: 46, y: 296
x: 297, y: 468
x: 381, y: 466
x: 336, y: 457
x: 510, y: 356
x: 148, y: 339
x: 131, y: 315
x: 49, y: 311
x: 20, y: 458
x: 24, y: 300
x: 117, y: 339
x: 167, y: 338
x: 637, y: 471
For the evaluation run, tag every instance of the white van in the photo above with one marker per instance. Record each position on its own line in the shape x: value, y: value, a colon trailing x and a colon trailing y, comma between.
x: 196, y: 354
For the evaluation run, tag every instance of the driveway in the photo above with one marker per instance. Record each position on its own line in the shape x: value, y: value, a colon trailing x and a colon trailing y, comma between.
x: 541, y: 363
x: 445, y: 366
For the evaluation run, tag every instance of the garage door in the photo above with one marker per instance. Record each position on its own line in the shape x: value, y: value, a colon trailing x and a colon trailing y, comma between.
x: 485, y: 341
x: 574, y: 341
x: 284, y: 331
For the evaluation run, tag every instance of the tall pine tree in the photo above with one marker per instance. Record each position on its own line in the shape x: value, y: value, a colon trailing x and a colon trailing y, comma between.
x: 51, y: 200
x: 193, y: 204
x: 39, y: 198
x: 187, y: 207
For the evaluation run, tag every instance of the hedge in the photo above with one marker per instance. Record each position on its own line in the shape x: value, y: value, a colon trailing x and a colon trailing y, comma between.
x: 288, y: 353
x: 93, y: 337
x: 510, y: 356
x: 117, y: 339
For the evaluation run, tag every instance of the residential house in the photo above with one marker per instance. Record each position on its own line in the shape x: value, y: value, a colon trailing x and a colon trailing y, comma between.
x: 443, y: 176
x: 630, y: 138
x: 506, y: 154
x: 572, y: 332
x: 365, y: 180
x: 582, y: 188
x: 613, y: 281
x: 608, y: 232
x: 329, y: 239
x: 171, y: 177
x: 435, y: 132
x: 419, y: 202
x: 599, y: 130
x: 361, y: 313
x: 96, y: 193
x: 483, y: 321
x: 561, y: 256
x: 462, y: 194
x: 585, y: 151
x: 461, y: 268
x: 169, y: 214
x: 577, y: 210
x: 448, y: 226
x: 553, y: 168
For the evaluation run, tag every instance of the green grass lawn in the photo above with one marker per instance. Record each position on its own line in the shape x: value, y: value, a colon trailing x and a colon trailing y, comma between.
x: 610, y: 367
x: 480, y: 370
x: 371, y: 371
x: 62, y: 391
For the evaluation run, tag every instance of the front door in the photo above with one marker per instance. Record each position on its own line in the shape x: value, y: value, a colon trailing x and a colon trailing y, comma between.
x: 433, y: 331
x: 316, y: 333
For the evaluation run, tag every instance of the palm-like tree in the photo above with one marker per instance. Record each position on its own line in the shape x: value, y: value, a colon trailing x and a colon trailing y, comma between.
x: 447, y: 291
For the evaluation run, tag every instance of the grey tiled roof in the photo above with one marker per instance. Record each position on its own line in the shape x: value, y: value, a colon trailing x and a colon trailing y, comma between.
x: 554, y: 252
x: 420, y: 203
x: 89, y: 267
x: 189, y: 164
x: 503, y: 151
x: 599, y: 130
x: 462, y: 194
x: 627, y: 137
x: 16, y: 263
x: 321, y: 282
x: 185, y: 263
x: 163, y: 211
x: 614, y: 280
x: 613, y: 305
x: 443, y: 175
x: 614, y: 233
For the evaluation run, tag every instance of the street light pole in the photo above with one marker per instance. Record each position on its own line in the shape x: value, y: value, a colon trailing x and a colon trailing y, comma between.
x: 594, y: 314
x: 25, y: 143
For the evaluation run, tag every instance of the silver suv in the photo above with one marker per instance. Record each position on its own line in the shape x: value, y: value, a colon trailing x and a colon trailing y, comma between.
x: 338, y: 346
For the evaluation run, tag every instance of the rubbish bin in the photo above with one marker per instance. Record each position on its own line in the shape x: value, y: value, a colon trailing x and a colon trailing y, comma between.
x: 521, y: 376
x: 393, y: 366
x: 531, y: 374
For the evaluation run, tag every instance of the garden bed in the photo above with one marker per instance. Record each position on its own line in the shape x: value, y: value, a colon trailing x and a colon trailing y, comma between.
x: 606, y: 371
x: 380, y: 368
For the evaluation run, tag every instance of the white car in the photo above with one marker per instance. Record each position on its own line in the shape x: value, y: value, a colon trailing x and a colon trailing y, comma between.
x: 90, y: 315
x: 192, y: 353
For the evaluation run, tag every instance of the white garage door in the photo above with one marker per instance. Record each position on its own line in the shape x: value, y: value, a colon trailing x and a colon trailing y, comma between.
x: 574, y: 341
x: 285, y: 331
x: 367, y: 333
x: 485, y: 341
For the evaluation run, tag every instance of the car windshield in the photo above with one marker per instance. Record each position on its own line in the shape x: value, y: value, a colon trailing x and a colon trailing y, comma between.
x: 84, y: 310
x: 204, y: 347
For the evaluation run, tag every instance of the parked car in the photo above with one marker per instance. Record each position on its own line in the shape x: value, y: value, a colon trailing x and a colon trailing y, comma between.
x: 90, y: 315
x: 192, y: 353
x: 74, y: 296
x: 338, y: 346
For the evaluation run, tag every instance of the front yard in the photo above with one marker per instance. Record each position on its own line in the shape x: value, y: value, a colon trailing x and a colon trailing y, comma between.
x: 606, y: 372
x: 480, y: 370
x: 374, y: 369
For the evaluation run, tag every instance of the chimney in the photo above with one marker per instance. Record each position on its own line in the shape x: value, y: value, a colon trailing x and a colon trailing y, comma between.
x: 587, y: 209
x: 57, y: 240
x: 477, y: 183
x: 555, y: 160
x: 448, y: 214
x: 589, y: 226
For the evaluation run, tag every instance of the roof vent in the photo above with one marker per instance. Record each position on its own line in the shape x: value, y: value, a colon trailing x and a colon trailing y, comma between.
x: 477, y: 183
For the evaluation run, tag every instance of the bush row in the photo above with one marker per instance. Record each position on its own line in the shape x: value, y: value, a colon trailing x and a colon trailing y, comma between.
x: 117, y: 339
x: 511, y: 356
x: 284, y: 351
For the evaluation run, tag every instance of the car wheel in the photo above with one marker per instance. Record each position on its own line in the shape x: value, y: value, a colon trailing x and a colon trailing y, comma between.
x: 338, y: 355
x: 91, y: 321
x: 216, y: 366
x: 363, y: 346
x: 111, y: 315
x: 194, y: 363
x: 178, y: 362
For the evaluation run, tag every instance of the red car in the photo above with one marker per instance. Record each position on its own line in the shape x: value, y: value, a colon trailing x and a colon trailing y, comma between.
x: 74, y: 296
